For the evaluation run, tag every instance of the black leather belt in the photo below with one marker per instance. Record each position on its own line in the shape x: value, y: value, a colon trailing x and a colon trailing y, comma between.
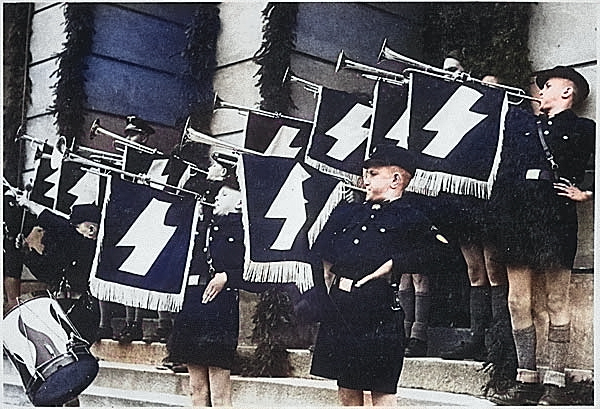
x: 197, y: 280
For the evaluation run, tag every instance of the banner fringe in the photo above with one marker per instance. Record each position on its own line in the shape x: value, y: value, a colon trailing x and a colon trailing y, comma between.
x: 135, y: 297
x: 337, y: 195
x: 340, y: 174
x: 431, y: 183
x: 280, y: 272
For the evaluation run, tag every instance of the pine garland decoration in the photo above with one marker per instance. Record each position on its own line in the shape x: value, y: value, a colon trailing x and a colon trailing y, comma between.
x: 274, y: 56
x: 17, y: 84
x: 200, y: 52
x: 70, y: 97
x: 491, y: 36
x: 274, y: 321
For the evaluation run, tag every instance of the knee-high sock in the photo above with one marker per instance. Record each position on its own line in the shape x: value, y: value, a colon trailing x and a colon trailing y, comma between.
x: 133, y: 314
x: 407, y: 302
x: 559, y: 337
x: 422, y: 308
x: 481, y: 312
x: 500, y: 343
x: 164, y: 319
x: 105, y: 314
x: 525, y: 340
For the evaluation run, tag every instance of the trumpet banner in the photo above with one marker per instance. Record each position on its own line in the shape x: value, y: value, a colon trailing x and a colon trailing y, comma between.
x: 458, y: 129
x: 389, y: 116
x: 286, y: 205
x: 77, y: 186
x: 283, y: 137
x: 144, y: 247
x: 339, y: 138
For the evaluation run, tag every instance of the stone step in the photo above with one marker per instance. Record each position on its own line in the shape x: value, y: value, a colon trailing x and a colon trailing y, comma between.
x: 113, y: 388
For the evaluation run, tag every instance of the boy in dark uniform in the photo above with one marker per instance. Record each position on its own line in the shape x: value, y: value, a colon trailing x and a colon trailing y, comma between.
x: 364, y: 247
x: 533, y: 203
x: 60, y: 254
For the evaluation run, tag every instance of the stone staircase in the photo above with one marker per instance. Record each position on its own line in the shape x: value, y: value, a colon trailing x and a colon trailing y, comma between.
x: 132, y: 376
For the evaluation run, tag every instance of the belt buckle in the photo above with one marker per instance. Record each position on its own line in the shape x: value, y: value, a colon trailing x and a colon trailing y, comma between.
x: 533, y: 174
x: 345, y: 284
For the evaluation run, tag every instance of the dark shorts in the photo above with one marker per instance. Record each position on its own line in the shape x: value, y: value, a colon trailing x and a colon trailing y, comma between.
x: 206, y: 334
x: 362, y: 345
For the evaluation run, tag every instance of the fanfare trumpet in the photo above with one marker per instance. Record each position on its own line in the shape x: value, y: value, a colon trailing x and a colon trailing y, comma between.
x: 290, y: 76
x: 368, y: 71
x: 388, y: 54
x: 218, y: 103
x: 97, y: 129
x: 90, y: 153
x: 66, y: 154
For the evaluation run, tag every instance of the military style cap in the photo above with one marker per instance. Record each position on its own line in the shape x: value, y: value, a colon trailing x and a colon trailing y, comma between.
x: 390, y: 155
x: 138, y: 125
x: 85, y: 213
x: 560, y: 71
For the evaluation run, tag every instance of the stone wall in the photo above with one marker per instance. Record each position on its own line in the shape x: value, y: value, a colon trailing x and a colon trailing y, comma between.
x: 566, y: 34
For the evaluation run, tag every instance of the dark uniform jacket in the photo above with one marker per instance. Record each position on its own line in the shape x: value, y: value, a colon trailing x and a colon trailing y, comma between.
x: 359, y: 238
x: 529, y: 222
x: 223, y: 251
x: 66, y: 253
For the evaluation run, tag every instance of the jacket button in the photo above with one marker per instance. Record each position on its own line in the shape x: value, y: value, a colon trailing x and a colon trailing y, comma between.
x: 231, y: 239
x: 356, y: 241
x: 565, y: 137
x: 382, y: 230
x: 364, y: 228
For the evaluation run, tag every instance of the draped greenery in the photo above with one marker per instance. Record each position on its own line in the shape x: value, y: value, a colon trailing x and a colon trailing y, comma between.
x: 200, y: 52
x: 69, y: 91
x: 17, y: 84
x: 492, y: 38
x: 274, y: 56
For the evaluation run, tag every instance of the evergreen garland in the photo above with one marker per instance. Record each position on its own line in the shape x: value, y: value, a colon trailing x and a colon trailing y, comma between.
x: 17, y: 84
x: 274, y: 56
x: 491, y: 36
x: 70, y: 97
x: 274, y: 322
x: 200, y: 52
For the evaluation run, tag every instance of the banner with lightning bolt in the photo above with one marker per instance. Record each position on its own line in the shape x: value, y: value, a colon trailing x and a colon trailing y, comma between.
x: 77, y: 186
x: 286, y: 205
x: 47, y: 175
x: 339, y: 138
x: 458, y: 128
x: 390, y: 116
x: 144, y: 246
x: 162, y: 168
x: 283, y: 137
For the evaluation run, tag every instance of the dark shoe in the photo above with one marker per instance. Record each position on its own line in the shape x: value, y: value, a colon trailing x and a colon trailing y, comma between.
x: 466, y: 350
x: 522, y: 394
x: 176, y: 367
x: 104, y: 333
x: 554, y: 396
x: 131, y: 332
x: 161, y: 335
x: 415, y: 348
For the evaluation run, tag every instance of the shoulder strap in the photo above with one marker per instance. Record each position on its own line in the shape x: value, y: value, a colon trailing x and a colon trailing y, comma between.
x: 547, y: 150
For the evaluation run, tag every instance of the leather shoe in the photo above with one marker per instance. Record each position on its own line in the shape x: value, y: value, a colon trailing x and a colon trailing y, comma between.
x: 522, y: 394
x: 554, y: 396
x: 131, y: 332
x: 104, y: 333
x: 161, y: 335
x: 466, y: 350
x: 415, y: 348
